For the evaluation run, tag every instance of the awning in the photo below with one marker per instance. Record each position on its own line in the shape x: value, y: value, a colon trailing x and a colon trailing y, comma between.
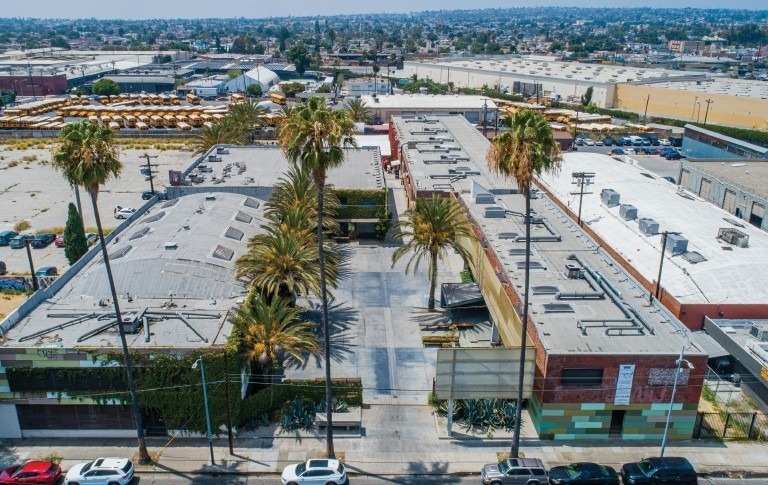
x: 456, y: 295
x: 708, y: 345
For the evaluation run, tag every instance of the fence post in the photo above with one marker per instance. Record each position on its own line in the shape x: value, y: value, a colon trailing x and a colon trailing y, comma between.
x: 727, y: 421
x: 697, y: 426
x: 752, y: 426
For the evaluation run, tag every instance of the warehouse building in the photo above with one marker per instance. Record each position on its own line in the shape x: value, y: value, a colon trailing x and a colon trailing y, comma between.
x: 473, y: 108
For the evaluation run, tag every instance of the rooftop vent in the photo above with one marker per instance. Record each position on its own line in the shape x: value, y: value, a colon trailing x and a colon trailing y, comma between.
x: 759, y: 331
x: 223, y: 253
x: 545, y: 290
x: 610, y: 197
x: 733, y: 236
x: 628, y: 212
x: 139, y: 234
x: 648, y: 226
x: 120, y: 252
x: 676, y: 244
x: 170, y: 203
x: 694, y: 257
x: 508, y: 235
x: 481, y: 195
x: 233, y: 233
x: 574, y: 271
x: 495, y: 212
x: 557, y: 308
x: 170, y: 245
x: 243, y: 217
x: 155, y: 217
x: 533, y: 265
x: 252, y: 203
x: 210, y: 197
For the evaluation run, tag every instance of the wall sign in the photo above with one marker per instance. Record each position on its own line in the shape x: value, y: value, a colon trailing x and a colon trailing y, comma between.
x: 624, y: 384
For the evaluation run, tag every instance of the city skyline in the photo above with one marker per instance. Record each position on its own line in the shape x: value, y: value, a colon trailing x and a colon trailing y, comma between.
x: 147, y: 9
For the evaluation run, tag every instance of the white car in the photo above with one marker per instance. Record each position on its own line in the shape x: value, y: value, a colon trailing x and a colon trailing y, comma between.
x: 599, y: 143
x: 124, y: 212
x: 629, y: 151
x: 101, y: 471
x: 589, y: 143
x: 664, y: 142
x: 316, y: 471
x: 91, y: 238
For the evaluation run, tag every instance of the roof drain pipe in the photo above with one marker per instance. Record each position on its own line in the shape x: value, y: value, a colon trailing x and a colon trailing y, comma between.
x: 145, y: 320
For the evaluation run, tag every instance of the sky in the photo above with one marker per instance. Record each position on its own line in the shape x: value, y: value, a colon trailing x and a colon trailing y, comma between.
x: 143, y: 9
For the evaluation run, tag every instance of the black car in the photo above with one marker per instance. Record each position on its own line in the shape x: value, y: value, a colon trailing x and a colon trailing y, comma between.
x: 20, y: 241
x: 3, y: 268
x: 47, y: 271
x: 43, y: 240
x: 6, y: 236
x: 148, y: 194
x: 583, y: 474
x: 658, y: 471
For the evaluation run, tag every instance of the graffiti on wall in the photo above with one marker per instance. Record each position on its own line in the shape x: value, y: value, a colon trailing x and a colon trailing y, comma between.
x: 24, y: 283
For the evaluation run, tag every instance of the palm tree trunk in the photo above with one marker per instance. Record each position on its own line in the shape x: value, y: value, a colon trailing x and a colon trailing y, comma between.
x: 515, y: 451
x: 432, y: 281
x: 143, y: 453
x: 320, y: 182
x: 77, y: 202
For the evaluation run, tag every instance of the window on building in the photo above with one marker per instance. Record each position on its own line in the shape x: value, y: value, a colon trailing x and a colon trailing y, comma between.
x: 704, y: 188
x: 581, y: 377
x: 757, y: 214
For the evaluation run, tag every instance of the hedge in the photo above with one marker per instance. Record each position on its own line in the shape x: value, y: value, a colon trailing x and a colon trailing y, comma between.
x: 356, y: 203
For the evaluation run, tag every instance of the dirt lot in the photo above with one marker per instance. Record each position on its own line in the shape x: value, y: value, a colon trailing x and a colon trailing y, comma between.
x: 31, y: 190
x: 8, y: 303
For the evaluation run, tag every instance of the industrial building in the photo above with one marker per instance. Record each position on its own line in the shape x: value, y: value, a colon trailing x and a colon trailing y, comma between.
x: 173, y: 266
x: 605, y: 357
x: 473, y: 108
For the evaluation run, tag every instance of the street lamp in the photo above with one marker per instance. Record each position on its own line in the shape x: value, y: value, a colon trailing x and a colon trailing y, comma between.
x: 661, y: 263
x: 205, y: 400
x: 698, y: 112
x: 679, y: 363
x: 695, y: 102
x: 706, y: 113
x: 485, y: 115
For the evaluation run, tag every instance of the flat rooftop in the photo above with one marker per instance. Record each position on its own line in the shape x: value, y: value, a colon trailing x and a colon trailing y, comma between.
x: 263, y: 166
x: 728, y: 274
x: 564, y: 325
x: 177, y: 257
x: 751, y: 175
x: 449, y: 102
x: 728, y: 87
x: 565, y: 71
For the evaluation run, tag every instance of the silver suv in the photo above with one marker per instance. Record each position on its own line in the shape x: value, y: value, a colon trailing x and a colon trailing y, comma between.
x: 515, y: 471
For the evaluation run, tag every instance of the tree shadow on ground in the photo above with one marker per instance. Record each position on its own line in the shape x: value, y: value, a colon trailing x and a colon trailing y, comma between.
x: 418, y: 473
x: 341, y: 316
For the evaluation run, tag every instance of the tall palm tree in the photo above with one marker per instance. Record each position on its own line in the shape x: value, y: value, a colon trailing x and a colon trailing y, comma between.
x: 314, y: 136
x: 67, y: 149
x: 96, y: 163
x: 430, y: 230
x: 247, y: 117
x: 271, y: 330
x: 297, y: 191
x: 526, y: 151
x: 224, y: 133
x: 358, y: 110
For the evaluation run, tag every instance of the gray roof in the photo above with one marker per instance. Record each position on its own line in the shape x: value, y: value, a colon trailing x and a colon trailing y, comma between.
x: 750, y: 174
x: 731, y: 140
x: 571, y: 323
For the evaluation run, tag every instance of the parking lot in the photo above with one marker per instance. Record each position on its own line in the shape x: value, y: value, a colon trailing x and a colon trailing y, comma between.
x: 654, y: 163
x: 31, y: 190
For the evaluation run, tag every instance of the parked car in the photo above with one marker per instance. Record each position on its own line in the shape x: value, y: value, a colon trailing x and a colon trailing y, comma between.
x: 617, y: 151
x: 148, y: 194
x: 599, y: 143
x: 659, y: 470
x: 589, y: 143
x: 6, y: 236
x: 59, y: 241
x: 671, y: 180
x: 514, y: 471
x: 32, y: 472
x: 3, y: 268
x: 665, y: 150
x: 608, y: 142
x: 319, y: 471
x: 43, y: 240
x: 673, y: 156
x: 91, y: 238
x: 629, y: 151
x: 583, y: 474
x: 664, y: 142
x: 580, y: 141
x: 102, y: 471
x: 124, y: 212
x: 47, y: 271
x: 20, y: 241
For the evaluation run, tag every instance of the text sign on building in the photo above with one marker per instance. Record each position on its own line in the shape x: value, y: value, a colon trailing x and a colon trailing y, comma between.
x: 624, y: 384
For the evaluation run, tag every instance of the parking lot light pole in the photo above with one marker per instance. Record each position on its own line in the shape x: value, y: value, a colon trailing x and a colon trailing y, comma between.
x: 149, y: 172
x: 205, y: 401
x: 35, y: 286
x: 679, y: 363
x: 706, y: 113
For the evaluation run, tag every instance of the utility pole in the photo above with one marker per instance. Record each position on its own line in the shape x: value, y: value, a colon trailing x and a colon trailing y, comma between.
x: 31, y: 265
x: 661, y: 264
x: 149, y: 171
x: 581, y: 179
x: 645, y: 115
x: 706, y: 113
x: 229, y: 403
x: 31, y: 81
x: 485, y: 116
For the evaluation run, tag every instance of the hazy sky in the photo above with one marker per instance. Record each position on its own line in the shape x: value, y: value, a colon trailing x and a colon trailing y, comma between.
x: 140, y: 9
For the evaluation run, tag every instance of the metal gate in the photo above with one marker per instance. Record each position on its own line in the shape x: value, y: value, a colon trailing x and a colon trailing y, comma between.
x: 731, y: 426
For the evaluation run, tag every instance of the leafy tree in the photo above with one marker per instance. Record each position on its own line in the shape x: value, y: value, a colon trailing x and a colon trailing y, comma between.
x: 290, y: 89
x: 429, y: 230
x: 358, y: 110
x: 105, y: 87
x: 91, y: 162
x: 234, y: 73
x: 75, y: 244
x: 586, y: 98
x: 299, y: 55
x: 526, y: 151
x: 315, y: 136
x: 268, y: 331
x: 254, y: 90
x: 59, y: 41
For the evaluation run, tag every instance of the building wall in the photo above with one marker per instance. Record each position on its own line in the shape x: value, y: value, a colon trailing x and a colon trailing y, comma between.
x: 24, y: 85
x: 384, y: 115
x: 701, y: 145
x: 743, y: 112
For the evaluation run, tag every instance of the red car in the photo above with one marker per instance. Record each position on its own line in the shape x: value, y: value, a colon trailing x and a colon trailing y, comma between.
x: 32, y: 472
x: 59, y: 241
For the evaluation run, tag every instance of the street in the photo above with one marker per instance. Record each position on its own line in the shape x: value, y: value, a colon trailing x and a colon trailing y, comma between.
x: 171, y: 479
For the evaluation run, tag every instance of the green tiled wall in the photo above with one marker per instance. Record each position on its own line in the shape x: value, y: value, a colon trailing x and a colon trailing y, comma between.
x: 572, y: 421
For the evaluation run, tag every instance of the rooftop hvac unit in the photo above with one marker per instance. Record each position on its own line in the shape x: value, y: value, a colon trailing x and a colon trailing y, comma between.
x: 610, y: 197
x: 494, y: 212
x: 733, y: 236
x: 760, y: 332
x: 676, y: 244
x: 573, y: 271
x: 628, y: 212
x: 131, y: 323
x: 648, y: 226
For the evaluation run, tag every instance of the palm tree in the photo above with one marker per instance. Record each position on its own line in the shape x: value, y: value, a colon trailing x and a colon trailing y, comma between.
x: 358, y: 110
x: 247, y: 117
x: 296, y: 193
x: 224, y: 133
x: 67, y: 149
x: 432, y: 228
x: 526, y: 151
x: 314, y: 137
x: 95, y: 164
x: 271, y: 330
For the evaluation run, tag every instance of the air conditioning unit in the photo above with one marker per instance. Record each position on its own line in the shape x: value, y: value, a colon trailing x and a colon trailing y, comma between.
x: 648, y: 226
x: 610, y: 197
x: 733, y: 236
x: 574, y: 271
x: 676, y: 244
x: 131, y: 323
x: 628, y: 212
x: 760, y: 332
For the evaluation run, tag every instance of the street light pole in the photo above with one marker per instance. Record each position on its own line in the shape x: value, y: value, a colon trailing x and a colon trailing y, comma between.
x: 661, y: 264
x: 205, y: 400
x: 672, y: 399
x: 149, y: 172
x: 698, y: 112
x: 645, y: 115
x: 485, y: 115
x: 35, y: 286
x: 706, y: 113
x: 695, y: 102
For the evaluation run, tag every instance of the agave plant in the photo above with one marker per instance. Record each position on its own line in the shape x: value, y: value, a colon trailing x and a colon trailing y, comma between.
x: 337, y: 406
x: 297, y: 414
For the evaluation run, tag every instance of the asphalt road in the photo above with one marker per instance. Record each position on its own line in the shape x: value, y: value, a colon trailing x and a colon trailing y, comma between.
x: 653, y: 163
x: 168, y: 479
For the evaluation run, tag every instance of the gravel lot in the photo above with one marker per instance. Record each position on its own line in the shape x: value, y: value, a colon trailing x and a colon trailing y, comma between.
x: 33, y: 191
